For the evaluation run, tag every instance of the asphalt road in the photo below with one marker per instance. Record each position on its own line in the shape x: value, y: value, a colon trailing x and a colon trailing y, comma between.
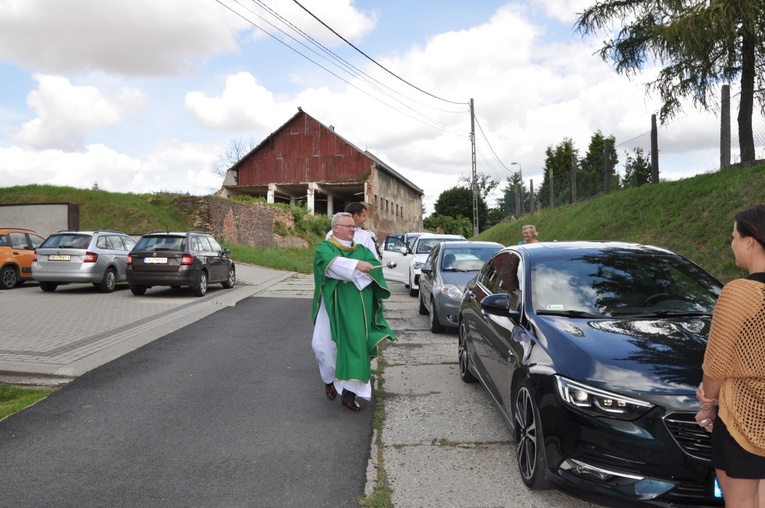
x: 228, y: 411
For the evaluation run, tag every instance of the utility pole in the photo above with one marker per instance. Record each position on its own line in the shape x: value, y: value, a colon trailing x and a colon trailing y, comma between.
x: 475, y: 175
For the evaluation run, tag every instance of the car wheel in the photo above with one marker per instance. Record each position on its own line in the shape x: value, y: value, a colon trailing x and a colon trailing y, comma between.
x: 435, y: 325
x: 201, y: 287
x: 109, y: 282
x: 138, y: 290
x: 423, y: 309
x: 48, y: 286
x: 464, y: 359
x: 9, y: 277
x: 231, y: 281
x: 412, y: 291
x: 529, y: 443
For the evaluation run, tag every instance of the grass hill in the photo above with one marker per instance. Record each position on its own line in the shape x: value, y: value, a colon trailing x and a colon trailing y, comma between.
x: 693, y: 217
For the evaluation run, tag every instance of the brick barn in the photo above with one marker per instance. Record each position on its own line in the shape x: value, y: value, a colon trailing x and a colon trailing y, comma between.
x: 306, y: 162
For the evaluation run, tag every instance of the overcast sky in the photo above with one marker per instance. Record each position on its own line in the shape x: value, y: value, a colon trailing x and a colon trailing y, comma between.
x: 144, y: 96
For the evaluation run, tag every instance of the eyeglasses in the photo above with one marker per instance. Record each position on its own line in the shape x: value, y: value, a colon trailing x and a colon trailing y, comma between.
x: 346, y: 226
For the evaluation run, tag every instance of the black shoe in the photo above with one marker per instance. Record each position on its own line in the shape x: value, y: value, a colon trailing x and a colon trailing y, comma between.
x: 329, y: 390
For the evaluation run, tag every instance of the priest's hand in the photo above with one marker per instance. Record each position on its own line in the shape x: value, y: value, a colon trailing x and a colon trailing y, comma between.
x: 364, y: 267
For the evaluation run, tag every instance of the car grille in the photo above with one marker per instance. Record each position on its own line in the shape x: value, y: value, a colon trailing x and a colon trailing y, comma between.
x: 693, y: 494
x: 694, y: 440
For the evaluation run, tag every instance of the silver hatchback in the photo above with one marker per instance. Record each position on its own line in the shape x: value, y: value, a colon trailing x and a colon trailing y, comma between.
x: 96, y: 257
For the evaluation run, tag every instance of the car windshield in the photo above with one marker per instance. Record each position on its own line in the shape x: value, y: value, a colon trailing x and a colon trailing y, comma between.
x: 66, y: 241
x: 468, y: 259
x: 618, y: 283
x: 159, y: 243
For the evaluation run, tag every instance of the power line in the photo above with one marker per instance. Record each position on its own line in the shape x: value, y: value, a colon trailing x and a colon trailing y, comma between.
x: 433, y: 123
x: 353, y: 69
x: 372, y: 59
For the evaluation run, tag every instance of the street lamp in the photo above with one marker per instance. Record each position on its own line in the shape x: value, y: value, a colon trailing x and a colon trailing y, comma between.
x: 520, y: 173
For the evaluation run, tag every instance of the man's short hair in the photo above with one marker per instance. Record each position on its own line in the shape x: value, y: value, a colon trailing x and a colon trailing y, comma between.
x: 355, y: 208
x: 336, y: 217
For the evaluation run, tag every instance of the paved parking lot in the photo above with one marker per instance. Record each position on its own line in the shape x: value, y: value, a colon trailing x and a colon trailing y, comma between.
x: 51, y: 338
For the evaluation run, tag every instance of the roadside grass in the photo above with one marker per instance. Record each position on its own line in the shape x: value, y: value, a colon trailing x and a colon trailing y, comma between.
x: 288, y: 259
x: 15, y: 398
x: 381, y: 492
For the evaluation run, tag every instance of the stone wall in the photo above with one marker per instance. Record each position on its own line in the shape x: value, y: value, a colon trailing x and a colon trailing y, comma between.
x: 244, y: 224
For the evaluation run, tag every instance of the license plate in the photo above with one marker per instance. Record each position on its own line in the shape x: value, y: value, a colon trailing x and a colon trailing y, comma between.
x: 59, y: 257
x: 155, y: 261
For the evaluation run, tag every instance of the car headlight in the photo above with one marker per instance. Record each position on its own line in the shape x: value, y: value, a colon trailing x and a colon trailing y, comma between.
x: 596, y: 402
x: 452, y: 291
x: 417, y: 265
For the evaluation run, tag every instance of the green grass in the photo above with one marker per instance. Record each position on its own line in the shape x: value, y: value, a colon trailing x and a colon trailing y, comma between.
x: 15, y: 398
x: 133, y: 214
x: 291, y: 260
x: 693, y: 217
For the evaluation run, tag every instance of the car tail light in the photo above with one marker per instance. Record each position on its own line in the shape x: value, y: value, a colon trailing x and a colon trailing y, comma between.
x: 90, y: 257
x: 129, y: 259
x: 187, y: 260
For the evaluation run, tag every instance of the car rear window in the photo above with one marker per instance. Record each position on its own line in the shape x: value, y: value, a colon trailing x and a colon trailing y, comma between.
x: 67, y: 241
x: 159, y: 243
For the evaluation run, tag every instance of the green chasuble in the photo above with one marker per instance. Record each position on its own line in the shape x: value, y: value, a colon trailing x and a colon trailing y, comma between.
x: 356, y: 318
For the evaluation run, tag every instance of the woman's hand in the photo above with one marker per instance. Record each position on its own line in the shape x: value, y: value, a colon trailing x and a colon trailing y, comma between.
x: 704, y: 401
x: 705, y: 418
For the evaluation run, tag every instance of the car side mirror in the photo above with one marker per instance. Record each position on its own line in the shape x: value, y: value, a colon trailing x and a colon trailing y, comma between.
x: 404, y: 251
x: 426, y: 269
x: 227, y: 251
x: 499, y: 305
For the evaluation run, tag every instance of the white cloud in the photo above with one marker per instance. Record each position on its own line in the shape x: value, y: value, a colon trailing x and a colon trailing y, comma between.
x: 65, y: 112
x: 243, y: 105
x: 140, y: 37
x: 174, y: 166
x: 149, y: 37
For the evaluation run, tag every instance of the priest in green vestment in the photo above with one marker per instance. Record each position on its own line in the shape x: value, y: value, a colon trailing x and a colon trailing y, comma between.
x: 347, y: 313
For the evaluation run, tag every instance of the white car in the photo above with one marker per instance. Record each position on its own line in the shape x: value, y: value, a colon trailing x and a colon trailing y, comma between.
x: 409, y: 259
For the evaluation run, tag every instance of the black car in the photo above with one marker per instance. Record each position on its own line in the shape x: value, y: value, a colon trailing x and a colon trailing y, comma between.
x: 191, y: 259
x: 592, y: 352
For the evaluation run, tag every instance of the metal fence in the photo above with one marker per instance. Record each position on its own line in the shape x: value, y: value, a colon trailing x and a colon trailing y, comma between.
x: 689, y: 144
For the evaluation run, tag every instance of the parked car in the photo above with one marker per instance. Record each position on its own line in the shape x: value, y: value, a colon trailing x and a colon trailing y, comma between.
x: 446, y: 271
x: 409, y: 259
x: 592, y: 352
x: 402, y: 240
x: 97, y: 257
x: 17, y: 248
x: 192, y: 259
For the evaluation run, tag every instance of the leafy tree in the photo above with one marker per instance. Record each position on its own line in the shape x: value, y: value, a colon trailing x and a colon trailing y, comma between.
x: 485, y: 183
x: 514, y: 184
x: 590, y: 179
x: 560, y: 159
x: 700, y: 43
x: 637, y: 169
x: 237, y: 149
x: 458, y: 202
x: 460, y: 226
